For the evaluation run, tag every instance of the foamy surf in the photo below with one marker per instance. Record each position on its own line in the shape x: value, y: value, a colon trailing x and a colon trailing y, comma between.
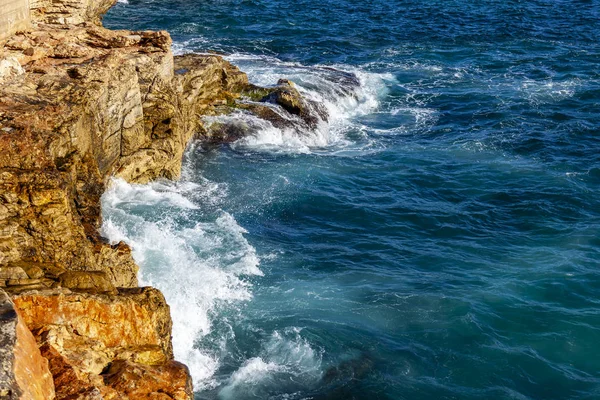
x: 175, y: 259
x: 286, y: 360
x: 345, y: 92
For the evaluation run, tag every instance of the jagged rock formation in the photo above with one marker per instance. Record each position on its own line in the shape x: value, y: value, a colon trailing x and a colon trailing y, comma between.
x: 93, y: 340
x: 92, y: 104
x: 78, y: 105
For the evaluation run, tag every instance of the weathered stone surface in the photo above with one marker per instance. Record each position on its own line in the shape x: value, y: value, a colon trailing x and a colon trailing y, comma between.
x: 11, y: 272
x: 24, y: 373
x: 93, y: 281
x: 69, y: 11
x: 10, y: 68
x: 133, y: 318
x: 167, y: 381
x: 83, y: 334
x: 287, y: 96
x: 14, y: 16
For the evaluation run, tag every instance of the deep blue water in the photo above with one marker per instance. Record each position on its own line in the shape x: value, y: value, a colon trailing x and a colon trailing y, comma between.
x: 438, y: 239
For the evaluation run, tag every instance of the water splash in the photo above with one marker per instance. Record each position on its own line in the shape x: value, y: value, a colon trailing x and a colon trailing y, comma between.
x: 346, y: 92
x: 286, y: 360
x: 175, y: 258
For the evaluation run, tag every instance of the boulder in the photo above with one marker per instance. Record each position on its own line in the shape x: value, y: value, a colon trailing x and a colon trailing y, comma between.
x: 137, y: 381
x: 10, y: 68
x: 289, y: 98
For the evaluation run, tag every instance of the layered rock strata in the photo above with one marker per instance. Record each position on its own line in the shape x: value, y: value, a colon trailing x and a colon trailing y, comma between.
x: 80, y: 104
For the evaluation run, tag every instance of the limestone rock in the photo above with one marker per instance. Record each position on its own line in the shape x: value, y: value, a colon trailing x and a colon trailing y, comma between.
x: 12, y: 272
x: 14, y: 16
x: 92, y: 281
x: 10, y: 68
x: 78, y: 105
x: 135, y: 318
x: 24, y: 373
x: 69, y: 12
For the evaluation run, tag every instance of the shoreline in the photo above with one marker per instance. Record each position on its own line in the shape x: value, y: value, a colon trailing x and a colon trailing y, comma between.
x: 79, y: 105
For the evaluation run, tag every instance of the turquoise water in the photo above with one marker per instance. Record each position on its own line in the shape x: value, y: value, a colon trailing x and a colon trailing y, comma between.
x: 437, y: 239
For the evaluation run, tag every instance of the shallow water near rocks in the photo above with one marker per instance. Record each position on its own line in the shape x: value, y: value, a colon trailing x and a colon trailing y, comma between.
x: 437, y: 239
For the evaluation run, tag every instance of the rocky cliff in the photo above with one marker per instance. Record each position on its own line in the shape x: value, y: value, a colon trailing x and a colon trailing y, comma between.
x: 80, y: 104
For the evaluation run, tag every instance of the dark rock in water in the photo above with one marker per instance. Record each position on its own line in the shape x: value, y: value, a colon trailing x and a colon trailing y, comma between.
x: 227, y: 132
x: 256, y: 93
x: 344, y: 78
x: 283, y: 107
x: 276, y: 117
x: 342, y: 382
x: 352, y: 369
x: 289, y: 98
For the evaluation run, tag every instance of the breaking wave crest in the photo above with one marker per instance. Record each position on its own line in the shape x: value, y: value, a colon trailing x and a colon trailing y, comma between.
x: 286, y: 360
x: 175, y: 259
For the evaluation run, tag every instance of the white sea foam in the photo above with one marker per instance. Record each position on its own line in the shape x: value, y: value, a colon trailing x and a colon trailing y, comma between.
x: 198, y: 268
x: 548, y: 91
x: 320, y: 84
x: 423, y: 117
x: 536, y: 92
x: 286, y: 359
x: 197, y: 254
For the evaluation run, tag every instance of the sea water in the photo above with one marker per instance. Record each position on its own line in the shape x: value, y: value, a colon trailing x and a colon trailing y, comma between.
x: 437, y: 238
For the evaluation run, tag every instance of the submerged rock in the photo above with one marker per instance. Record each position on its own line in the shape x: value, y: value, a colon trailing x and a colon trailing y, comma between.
x: 354, y: 369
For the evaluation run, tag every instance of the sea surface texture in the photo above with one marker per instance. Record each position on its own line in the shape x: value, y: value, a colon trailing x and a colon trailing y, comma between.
x: 438, y: 238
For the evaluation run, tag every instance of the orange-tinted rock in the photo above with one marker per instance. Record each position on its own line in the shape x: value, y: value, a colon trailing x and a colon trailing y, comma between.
x: 73, y: 385
x: 83, y: 334
x: 135, y: 318
x: 24, y: 373
x: 167, y: 381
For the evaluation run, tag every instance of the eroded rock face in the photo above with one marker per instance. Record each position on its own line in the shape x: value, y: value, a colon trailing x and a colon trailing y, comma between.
x: 138, y: 381
x: 119, y: 325
x: 72, y: 121
x: 69, y: 11
x: 90, y: 104
x: 24, y: 373
x: 84, y: 335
